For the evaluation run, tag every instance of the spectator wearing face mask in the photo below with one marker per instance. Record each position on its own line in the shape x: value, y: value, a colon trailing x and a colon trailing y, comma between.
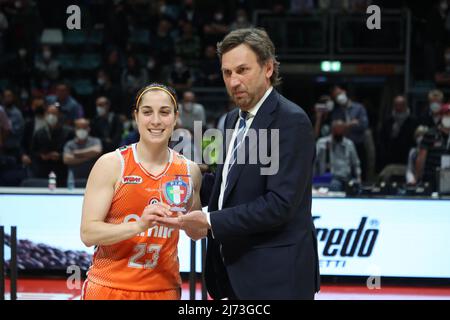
x: 47, y: 147
x: 431, y: 116
x: 134, y: 76
x: 106, y: 88
x: 69, y: 107
x: 180, y: 76
x: 107, y: 125
x: 435, y: 144
x: 81, y: 152
x: 241, y: 21
x: 411, y: 175
x: 337, y: 156
x: 396, y: 136
x: 190, y: 111
x: 322, y: 118
x: 216, y: 27
x: 354, y: 116
x: 47, y: 68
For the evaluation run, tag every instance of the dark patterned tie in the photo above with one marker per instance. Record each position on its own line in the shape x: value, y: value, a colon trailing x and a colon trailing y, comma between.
x: 243, y: 116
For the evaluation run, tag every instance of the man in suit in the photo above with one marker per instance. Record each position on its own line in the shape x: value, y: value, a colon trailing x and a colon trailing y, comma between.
x: 261, y: 238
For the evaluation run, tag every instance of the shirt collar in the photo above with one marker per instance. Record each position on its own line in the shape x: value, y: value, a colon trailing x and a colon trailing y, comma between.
x: 253, y: 111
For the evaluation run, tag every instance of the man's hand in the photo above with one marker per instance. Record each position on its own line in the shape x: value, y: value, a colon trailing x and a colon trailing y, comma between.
x: 26, y: 161
x: 54, y: 155
x: 354, y: 122
x: 193, y: 223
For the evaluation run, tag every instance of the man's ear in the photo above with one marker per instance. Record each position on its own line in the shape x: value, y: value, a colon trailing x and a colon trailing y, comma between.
x: 269, y: 68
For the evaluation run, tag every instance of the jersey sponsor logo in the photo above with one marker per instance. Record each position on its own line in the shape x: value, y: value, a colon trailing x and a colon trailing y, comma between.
x: 132, y: 180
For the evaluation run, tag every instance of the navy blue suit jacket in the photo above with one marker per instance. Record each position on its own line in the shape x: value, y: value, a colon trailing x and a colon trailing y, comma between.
x: 265, y: 227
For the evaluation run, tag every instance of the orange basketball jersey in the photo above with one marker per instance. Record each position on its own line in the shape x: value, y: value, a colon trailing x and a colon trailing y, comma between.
x: 148, y: 261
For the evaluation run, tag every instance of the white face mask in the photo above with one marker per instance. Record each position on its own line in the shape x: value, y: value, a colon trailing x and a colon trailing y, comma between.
x: 51, y: 119
x: 329, y: 105
x: 342, y: 99
x: 101, y: 81
x: 101, y: 111
x: 435, y: 106
x: 81, y: 134
x: 22, y: 52
x: 446, y: 122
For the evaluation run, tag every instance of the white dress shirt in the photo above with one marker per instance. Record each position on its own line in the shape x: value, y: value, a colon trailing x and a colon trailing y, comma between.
x: 252, y: 113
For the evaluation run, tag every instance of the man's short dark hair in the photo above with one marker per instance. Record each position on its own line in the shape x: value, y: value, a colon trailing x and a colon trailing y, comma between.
x: 259, y: 41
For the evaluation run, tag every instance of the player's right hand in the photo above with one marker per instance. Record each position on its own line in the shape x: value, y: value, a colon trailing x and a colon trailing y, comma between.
x: 148, y: 217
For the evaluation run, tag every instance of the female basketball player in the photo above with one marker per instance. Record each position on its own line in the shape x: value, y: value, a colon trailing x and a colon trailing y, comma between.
x: 134, y: 257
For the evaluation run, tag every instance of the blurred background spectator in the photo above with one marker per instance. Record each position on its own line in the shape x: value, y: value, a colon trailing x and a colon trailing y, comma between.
x: 190, y: 112
x: 106, y: 125
x: 337, y: 157
x: 355, y: 119
x: 47, y: 147
x: 69, y: 107
x: 434, y: 145
x: 126, y: 44
x: 396, y: 134
x: 81, y: 152
x: 431, y: 114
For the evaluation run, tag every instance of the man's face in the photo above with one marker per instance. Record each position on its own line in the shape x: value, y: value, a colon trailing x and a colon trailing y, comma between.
x: 8, y: 97
x: 399, y: 105
x: 102, y: 102
x: 246, y: 81
x: 62, y: 92
x: 338, y: 129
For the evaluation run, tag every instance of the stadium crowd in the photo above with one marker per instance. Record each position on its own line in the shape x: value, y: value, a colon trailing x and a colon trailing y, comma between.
x: 67, y: 96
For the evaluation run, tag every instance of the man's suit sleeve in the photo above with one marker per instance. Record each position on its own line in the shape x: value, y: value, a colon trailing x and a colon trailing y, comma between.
x: 284, y: 190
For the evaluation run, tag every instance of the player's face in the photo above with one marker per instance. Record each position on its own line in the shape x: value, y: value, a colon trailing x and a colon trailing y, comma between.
x: 156, y: 117
x: 246, y: 80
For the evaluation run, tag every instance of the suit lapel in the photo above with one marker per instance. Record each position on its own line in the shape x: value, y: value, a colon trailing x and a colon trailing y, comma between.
x: 262, y: 121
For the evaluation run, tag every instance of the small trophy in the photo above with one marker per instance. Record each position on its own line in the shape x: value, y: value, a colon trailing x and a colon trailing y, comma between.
x: 177, y: 191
